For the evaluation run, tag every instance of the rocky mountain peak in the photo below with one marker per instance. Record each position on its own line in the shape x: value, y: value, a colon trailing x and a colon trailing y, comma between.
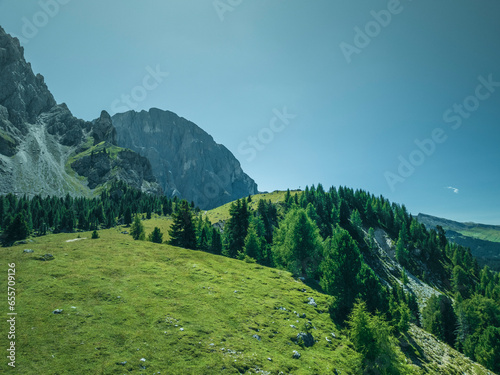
x: 23, y: 93
x: 103, y: 129
x: 42, y: 144
x: 186, y: 160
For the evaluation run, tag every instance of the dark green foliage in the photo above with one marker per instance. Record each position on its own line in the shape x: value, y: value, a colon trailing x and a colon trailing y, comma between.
x: 439, y: 318
x: 182, y: 232
x: 137, y: 229
x: 156, y: 236
x: 17, y: 230
x: 127, y: 216
x: 487, y: 351
x: 236, y: 227
x: 340, y: 268
x: 297, y: 244
x: 371, y: 336
x: 216, y: 242
x: 95, y: 235
x: 52, y: 214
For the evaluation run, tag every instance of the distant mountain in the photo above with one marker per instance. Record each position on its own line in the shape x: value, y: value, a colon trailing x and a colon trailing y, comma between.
x: 482, y: 239
x: 45, y: 150
x: 186, y: 160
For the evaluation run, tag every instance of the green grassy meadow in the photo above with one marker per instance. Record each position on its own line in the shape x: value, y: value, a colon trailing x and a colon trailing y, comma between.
x: 183, y: 311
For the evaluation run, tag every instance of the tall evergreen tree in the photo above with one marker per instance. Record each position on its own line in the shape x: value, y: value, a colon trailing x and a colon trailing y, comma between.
x: 297, y: 244
x: 137, y: 229
x: 183, y: 231
x: 236, y: 227
x: 340, y: 268
x: 17, y: 230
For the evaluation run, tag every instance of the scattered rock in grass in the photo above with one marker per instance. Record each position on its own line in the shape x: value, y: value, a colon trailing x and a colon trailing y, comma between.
x: 256, y: 337
x: 122, y: 363
x: 181, y: 329
x: 303, y: 316
x: 46, y: 257
x: 57, y: 311
x: 124, y: 232
x: 328, y: 340
x: 306, y: 338
x: 280, y: 308
x: 269, y: 359
x: 303, y: 290
x: 311, y: 302
x: 143, y: 360
x: 291, y: 325
x: 333, y: 335
x: 296, y: 355
x: 28, y: 251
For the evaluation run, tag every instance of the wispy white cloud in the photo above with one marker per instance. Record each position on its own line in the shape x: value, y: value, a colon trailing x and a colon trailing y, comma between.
x: 455, y: 190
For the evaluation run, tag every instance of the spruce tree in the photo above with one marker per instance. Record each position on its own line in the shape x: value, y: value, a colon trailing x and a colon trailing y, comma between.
x: 340, y: 267
x: 297, y: 244
x: 236, y: 227
x: 137, y: 229
x: 215, y: 242
x: 127, y: 216
x: 156, y: 236
x: 18, y: 229
x: 182, y: 232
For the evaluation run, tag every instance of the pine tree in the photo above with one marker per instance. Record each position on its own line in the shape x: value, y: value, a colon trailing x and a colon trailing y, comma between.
x: 156, y: 236
x: 215, y: 242
x: 17, y: 230
x: 204, y: 242
x: 371, y: 336
x: 340, y: 267
x: 127, y: 217
x: 182, y: 232
x: 137, y: 229
x: 297, y: 244
x: 236, y: 227
x: 252, y: 246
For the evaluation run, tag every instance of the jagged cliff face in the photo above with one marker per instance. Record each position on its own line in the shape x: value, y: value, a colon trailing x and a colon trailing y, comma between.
x: 186, y: 160
x: 42, y: 143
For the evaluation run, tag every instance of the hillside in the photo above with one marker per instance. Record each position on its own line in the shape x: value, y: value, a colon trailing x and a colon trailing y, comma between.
x: 483, y: 240
x: 137, y: 307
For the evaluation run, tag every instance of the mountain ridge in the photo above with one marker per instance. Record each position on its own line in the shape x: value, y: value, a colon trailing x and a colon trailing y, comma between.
x: 186, y: 160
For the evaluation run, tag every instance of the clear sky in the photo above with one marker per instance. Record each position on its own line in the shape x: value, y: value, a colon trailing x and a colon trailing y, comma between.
x: 400, y: 98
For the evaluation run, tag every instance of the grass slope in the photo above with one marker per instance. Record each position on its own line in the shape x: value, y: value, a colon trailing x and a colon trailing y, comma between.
x: 183, y: 311
x: 221, y: 213
x: 125, y: 300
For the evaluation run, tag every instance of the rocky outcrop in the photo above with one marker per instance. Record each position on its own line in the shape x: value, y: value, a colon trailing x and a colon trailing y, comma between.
x: 40, y: 140
x: 24, y: 94
x: 101, y: 167
x: 186, y: 161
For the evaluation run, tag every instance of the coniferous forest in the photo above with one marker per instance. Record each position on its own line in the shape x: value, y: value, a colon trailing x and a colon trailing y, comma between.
x: 325, y: 238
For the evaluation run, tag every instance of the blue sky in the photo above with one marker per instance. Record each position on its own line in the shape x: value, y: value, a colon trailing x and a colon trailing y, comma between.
x: 341, y: 93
